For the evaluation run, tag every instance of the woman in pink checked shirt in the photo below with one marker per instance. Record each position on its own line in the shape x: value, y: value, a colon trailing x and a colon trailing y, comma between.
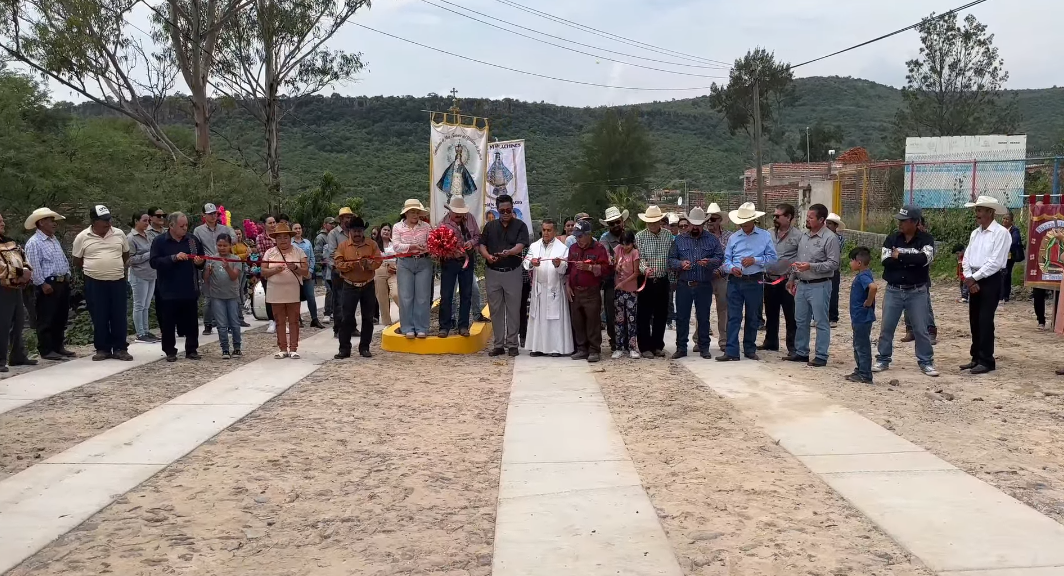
x: 414, y: 270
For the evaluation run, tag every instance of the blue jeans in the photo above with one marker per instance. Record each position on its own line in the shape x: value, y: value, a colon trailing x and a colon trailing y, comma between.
x: 306, y: 292
x: 744, y: 307
x: 106, y: 300
x: 701, y: 296
x: 862, y: 349
x: 451, y: 275
x: 227, y: 319
x: 143, y: 291
x: 811, y: 300
x: 414, y: 276
x: 916, y: 305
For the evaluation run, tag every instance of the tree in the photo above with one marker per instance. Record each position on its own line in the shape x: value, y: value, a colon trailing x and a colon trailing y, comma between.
x: 312, y: 206
x: 191, y: 29
x: 736, y: 100
x: 617, y: 154
x: 85, y: 46
x: 275, y: 49
x: 821, y: 139
x: 954, y: 87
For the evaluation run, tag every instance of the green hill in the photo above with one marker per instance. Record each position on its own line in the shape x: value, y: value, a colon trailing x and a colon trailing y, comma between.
x: 377, y: 146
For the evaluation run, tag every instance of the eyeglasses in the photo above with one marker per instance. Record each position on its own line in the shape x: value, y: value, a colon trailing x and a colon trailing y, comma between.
x: 717, y: 219
x: 506, y: 210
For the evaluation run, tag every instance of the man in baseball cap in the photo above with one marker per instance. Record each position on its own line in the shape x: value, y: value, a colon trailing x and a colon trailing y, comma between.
x: 101, y: 251
x: 207, y: 235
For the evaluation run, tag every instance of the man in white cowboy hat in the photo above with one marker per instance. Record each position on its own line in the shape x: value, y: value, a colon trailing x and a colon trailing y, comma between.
x: 983, y: 266
x: 337, y: 236
x: 207, y: 234
x: 810, y: 282
x: 654, y: 244
x: 501, y: 244
x: 695, y: 257
x: 51, y: 279
x: 458, y: 269
x: 614, y: 221
x: 834, y: 223
x: 750, y: 250
x: 102, y: 251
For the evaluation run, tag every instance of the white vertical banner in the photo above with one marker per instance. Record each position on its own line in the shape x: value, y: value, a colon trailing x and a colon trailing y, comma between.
x: 457, y: 160
x: 506, y: 175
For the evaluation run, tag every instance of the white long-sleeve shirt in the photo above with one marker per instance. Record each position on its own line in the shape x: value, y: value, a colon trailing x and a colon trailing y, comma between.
x: 987, y: 251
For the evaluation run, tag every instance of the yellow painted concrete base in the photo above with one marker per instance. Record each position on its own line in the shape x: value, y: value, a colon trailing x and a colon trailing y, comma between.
x: 479, y: 335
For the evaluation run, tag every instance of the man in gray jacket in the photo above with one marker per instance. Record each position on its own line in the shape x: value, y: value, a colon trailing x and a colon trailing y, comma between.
x: 335, y: 237
x: 207, y: 235
x: 320, y: 241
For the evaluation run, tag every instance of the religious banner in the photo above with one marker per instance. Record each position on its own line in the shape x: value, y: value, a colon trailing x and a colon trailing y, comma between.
x: 457, y: 159
x: 506, y: 175
x: 1045, y: 243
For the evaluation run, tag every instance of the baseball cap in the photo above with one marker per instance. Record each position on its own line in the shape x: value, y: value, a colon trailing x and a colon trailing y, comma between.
x: 330, y: 220
x: 209, y: 208
x: 582, y: 227
x: 909, y: 212
x: 100, y: 212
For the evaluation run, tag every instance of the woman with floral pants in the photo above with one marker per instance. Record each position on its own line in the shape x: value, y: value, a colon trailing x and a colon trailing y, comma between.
x: 626, y: 278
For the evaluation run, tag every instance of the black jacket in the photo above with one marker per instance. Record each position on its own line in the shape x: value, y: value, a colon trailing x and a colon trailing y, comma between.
x: 913, y: 264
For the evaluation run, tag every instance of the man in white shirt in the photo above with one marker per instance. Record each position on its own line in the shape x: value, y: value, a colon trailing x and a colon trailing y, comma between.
x: 983, y: 267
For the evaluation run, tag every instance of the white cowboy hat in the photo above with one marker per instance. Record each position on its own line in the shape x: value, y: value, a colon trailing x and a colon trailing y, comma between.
x: 612, y: 213
x: 413, y: 204
x: 40, y: 214
x: 673, y: 218
x: 714, y: 208
x: 833, y: 217
x: 987, y: 202
x: 653, y: 214
x: 457, y: 205
x: 745, y: 213
x: 697, y: 217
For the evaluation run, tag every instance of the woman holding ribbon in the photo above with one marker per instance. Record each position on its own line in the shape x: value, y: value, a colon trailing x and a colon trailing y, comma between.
x: 285, y: 266
x: 413, y: 270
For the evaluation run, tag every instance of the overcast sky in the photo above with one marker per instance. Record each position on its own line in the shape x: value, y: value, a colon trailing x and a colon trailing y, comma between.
x: 1026, y: 34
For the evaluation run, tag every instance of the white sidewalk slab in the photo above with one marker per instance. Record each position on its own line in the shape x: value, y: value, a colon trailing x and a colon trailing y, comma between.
x: 570, y: 499
x: 953, y: 522
x: 46, y: 500
x: 17, y: 391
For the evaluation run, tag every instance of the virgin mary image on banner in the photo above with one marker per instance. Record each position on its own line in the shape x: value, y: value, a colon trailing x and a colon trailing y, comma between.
x: 456, y: 179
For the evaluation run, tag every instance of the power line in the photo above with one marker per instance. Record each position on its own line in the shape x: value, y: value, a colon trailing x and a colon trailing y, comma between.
x: 497, y: 19
x: 611, y: 36
x: 894, y: 33
x: 549, y: 43
x: 525, y: 71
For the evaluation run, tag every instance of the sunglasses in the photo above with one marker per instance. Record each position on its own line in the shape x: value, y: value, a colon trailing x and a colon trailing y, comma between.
x: 506, y: 210
x: 159, y: 215
x: 714, y: 219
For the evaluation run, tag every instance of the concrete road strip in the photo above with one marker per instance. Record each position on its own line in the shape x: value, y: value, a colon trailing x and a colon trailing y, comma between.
x: 953, y: 522
x: 46, y: 500
x: 17, y: 391
x: 570, y: 499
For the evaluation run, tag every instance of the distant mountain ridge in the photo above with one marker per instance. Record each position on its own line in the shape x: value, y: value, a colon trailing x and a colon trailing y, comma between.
x: 378, y: 146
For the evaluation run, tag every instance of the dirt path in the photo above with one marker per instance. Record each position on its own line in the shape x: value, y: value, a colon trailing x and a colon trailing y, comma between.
x: 1003, y: 427
x: 386, y: 466
x: 730, y: 500
x: 42, y: 429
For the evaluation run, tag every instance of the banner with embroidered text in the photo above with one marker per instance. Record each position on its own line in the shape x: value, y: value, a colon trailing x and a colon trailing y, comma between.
x: 1045, y: 247
x: 457, y: 160
x: 506, y: 175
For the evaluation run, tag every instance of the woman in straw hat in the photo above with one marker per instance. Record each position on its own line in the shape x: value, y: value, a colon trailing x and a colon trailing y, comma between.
x: 410, y: 237
x: 286, y: 267
x: 983, y: 266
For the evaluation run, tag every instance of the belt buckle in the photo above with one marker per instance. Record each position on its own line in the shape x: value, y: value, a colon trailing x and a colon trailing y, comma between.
x: 692, y: 283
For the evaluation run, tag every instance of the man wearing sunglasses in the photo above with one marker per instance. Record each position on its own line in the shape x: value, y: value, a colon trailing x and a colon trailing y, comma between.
x: 777, y: 298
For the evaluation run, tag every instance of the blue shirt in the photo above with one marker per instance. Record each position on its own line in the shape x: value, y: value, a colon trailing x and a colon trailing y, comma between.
x: 691, y: 249
x: 859, y: 314
x: 45, y: 256
x: 758, y: 245
x: 308, y: 248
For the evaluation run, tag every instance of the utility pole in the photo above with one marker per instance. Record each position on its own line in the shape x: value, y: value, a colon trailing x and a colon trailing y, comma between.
x: 757, y: 141
x: 807, y: 159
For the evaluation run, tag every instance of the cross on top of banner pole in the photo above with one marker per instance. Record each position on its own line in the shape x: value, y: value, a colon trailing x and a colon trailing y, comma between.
x: 454, y: 101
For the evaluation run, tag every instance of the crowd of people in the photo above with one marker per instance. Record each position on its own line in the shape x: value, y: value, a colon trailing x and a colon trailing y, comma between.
x: 552, y: 296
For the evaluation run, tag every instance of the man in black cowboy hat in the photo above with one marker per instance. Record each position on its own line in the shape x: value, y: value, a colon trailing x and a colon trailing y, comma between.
x: 356, y: 260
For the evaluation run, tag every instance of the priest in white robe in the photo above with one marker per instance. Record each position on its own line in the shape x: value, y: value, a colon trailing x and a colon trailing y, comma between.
x: 549, y: 328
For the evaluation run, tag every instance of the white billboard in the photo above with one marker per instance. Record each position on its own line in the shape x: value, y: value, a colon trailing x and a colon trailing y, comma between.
x: 945, y: 172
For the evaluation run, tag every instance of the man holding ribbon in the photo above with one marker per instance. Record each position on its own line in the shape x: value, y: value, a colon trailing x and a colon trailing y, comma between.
x: 695, y: 257
x: 750, y: 251
x: 357, y: 260
x: 549, y: 328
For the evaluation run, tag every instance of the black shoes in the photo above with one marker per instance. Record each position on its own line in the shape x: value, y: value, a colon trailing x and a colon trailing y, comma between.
x: 818, y: 363
x: 857, y: 378
x: 122, y: 355
x: 25, y: 362
x: 981, y: 369
x: 207, y: 330
x: 171, y: 357
x: 795, y: 358
x: 680, y: 354
x: 192, y: 356
x: 99, y: 356
x: 969, y: 365
x: 365, y: 354
x: 315, y: 323
x: 341, y: 355
x: 752, y: 356
x: 68, y: 353
x: 513, y: 352
x: 496, y: 352
x: 726, y: 358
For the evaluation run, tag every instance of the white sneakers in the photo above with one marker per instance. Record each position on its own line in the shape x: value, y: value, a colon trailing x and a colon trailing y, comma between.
x: 272, y: 328
x: 928, y: 370
x: 617, y: 354
x: 634, y: 355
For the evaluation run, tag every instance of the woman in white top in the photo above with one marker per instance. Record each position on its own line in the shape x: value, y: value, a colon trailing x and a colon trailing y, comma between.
x: 385, y: 280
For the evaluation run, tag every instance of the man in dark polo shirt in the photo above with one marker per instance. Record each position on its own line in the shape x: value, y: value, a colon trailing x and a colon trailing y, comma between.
x: 176, y: 255
x: 907, y: 254
x: 501, y: 244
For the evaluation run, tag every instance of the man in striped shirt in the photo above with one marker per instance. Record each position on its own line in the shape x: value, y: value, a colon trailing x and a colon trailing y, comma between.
x: 654, y: 244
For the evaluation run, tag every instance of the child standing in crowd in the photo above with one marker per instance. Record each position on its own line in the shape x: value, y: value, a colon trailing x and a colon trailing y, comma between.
x: 626, y: 279
x: 222, y: 284
x: 862, y: 314
x: 958, y: 251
